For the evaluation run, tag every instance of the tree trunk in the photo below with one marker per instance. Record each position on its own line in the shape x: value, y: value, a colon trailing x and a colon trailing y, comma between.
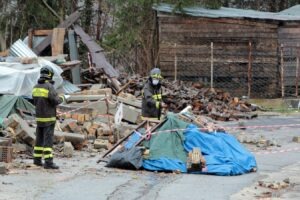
x: 99, y: 20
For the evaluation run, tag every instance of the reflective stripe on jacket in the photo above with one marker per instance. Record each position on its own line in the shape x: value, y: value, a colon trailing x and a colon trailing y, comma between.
x: 45, y: 100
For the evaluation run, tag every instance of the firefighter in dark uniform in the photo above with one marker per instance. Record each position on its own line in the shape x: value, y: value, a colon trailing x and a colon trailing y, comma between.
x: 45, y: 99
x: 152, y: 96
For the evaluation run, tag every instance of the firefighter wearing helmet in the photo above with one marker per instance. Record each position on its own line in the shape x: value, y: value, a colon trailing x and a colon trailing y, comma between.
x: 152, y: 96
x: 45, y: 100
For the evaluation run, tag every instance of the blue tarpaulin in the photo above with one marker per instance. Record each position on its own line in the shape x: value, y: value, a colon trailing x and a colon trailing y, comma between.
x: 224, y: 155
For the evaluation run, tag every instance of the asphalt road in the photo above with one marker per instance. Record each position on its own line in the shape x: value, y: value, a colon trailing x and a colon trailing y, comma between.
x: 81, y: 178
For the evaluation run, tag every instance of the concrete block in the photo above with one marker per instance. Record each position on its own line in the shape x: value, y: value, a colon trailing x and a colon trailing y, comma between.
x: 99, y: 143
x: 65, y: 125
x: 296, y: 139
x: 11, y: 121
x: 97, y: 86
x: 112, y: 139
x: 23, y: 131
x: 68, y: 149
x: 75, y: 116
x: 18, y: 147
x: 103, y: 137
x: 2, y: 168
x: 87, y: 117
x: 86, y: 125
x: 92, y: 132
x: 130, y: 113
x: 95, y: 125
x: 73, y: 127
x: 81, y: 118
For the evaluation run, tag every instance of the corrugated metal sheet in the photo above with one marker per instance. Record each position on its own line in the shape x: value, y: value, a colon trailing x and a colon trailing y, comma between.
x: 230, y: 13
x: 295, y: 10
x: 20, y: 49
x: 68, y: 88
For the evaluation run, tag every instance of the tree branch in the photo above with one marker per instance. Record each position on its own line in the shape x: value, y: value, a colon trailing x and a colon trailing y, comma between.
x: 53, y: 11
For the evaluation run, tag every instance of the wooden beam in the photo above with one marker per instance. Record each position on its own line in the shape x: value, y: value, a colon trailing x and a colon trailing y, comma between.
x: 65, y: 24
x: 30, y: 38
x: 42, y: 32
x: 57, y: 43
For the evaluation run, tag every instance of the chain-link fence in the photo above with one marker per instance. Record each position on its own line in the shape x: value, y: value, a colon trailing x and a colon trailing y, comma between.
x: 238, y: 67
x: 289, y: 70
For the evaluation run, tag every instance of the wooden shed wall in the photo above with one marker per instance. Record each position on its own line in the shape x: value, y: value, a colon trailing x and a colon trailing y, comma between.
x: 230, y: 37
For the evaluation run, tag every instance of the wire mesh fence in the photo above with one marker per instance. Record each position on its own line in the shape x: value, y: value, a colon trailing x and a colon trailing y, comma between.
x: 238, y: 67
x: 289, y: 70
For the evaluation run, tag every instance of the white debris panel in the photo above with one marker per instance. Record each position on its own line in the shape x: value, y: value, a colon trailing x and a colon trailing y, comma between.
x: 19, y: 79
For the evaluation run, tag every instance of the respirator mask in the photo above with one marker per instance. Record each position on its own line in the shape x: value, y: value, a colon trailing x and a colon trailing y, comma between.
x: 155, y: 81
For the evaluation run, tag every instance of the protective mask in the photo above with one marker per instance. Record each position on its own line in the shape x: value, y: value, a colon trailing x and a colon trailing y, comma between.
x: 155, y: 81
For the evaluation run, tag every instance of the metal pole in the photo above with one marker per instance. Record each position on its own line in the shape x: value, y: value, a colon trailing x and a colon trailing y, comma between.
x: 175, y: 64
x: 250, y: 69
x: 282, y: 71
x: 297, y: 70
x: 212, y: 65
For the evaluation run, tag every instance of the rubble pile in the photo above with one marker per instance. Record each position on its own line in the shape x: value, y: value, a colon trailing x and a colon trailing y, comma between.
x: 214, y: 103
x: 102, y: 107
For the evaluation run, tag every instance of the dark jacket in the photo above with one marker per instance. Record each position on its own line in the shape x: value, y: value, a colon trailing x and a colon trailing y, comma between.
x: 45, y: 100
x: 152, y: 97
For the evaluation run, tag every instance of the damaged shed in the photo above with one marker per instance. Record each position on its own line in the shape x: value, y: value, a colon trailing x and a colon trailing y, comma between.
x: 246, y: 52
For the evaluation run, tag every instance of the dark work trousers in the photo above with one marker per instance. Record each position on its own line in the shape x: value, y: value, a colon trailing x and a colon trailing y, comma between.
x: 44, y: 142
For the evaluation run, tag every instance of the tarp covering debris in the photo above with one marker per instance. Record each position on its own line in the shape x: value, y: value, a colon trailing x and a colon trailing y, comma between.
x: 224, y: 155
x: 19, y: 79
x: 9, y: 104
x: 166, y: 148
x: 127, y: 159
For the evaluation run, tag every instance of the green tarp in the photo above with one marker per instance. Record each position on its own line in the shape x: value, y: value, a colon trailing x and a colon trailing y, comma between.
x: 9, y: 104
x: 168, y: 144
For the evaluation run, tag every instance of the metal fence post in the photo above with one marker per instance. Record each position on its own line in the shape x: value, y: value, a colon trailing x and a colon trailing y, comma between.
x: 282, y: 71
x: 212, y: 65
x: 175, y: 63
x: 250, y: 69
x: 297, y: 69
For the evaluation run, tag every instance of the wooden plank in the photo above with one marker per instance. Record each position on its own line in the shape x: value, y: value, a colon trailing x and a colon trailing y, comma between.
x: 98, y: 57
x: 65, y: 24
x: 30, y: 38
x: 43, y: 32
x: 172, y: 36
x: 57, y: 43
x: 214, y: 28
x: 283, y: 31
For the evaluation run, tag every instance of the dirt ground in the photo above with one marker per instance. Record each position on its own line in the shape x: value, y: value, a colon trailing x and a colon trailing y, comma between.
x: 80, y: 177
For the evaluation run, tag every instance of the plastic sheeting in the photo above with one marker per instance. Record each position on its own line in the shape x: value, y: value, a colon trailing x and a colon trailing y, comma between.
x: 127, y: 159
x: 224, y: 155
x: 10, y: 103
x: 166, y: 148
x: 19, y: 79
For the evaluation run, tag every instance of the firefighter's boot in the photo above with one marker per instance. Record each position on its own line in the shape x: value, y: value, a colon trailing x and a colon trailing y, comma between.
x: 38, y: 161
x: 49, y: 164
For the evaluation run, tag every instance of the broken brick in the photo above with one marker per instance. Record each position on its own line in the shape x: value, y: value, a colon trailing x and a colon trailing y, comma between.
x: 98, y: 144
x: 68, y: 149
